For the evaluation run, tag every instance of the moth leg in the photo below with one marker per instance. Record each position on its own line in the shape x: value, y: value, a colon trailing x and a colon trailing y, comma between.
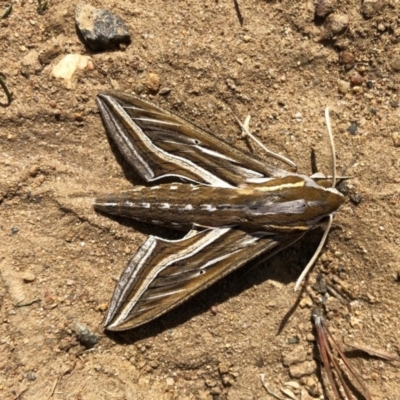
x: 246, y: 133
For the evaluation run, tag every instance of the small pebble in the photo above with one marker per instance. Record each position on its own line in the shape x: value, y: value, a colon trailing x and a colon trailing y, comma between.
x: 228, y: 380
x: 170, y: 381
x: 324, y: 7
x: 14, y: 230
x: 310, y: 337
x: 336, y: 24
x: 296, y: 355
x: 315, y: 389
x: 224, y: 367
x: 306, y: 368
x: 214, y: 310
x: 305, y: 302
x: 49, y: 298
x: 164, y: 91
x: 33, y: 171
x: 395, y: 64
x: 216, y: 391
x: 371, y: 7
x: 90, y: 65
x: 347, y: 58
x: 78, y: 117
x: 294, y: 340
x: 396, y: 139
x: 28, y: 277
x: 352, y: 129
x: 310, y: 381
x: 356, y: 79
x: 30, y: 64
x: 30, y: 376
x: 298, y: 116
x: 102, y: 307
x: 84, y: 335
x: 381, y: 28
x: 343, y: 86
x: 152, y: 83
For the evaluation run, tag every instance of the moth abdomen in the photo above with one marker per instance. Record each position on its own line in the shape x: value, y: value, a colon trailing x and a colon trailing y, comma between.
x: 276, y: 206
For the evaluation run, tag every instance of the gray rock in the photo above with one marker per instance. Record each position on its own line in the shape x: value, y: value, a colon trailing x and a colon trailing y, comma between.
x: 84, y: 335
x: 100, y: 29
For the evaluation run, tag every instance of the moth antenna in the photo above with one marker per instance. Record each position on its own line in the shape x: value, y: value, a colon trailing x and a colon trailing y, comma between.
x: 332, y: 143
x: 246, y: 131
x: 328, y: 226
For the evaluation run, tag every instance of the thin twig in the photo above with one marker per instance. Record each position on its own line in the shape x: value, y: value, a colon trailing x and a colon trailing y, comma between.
x: 6, y: 91
x: 373, y: 352
x: 269, y: 391
x: 326, y: 351
x: 18, y: 396
x: 7, y: 12
x: 238, y: 13
x: 348, y: 365
x: 341, y: 297
x: 323, y: 350
x: 53, y: 389
x: 27, y: 303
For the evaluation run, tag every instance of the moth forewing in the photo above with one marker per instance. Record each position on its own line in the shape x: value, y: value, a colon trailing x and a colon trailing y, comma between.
x: 235, y: 205
x: 160, y: 144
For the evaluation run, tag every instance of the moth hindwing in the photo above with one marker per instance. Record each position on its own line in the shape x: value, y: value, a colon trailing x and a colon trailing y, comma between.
x: 233, y: 205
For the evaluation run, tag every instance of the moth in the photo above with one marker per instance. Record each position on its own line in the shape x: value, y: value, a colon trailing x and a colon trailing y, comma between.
x: 233, y: 206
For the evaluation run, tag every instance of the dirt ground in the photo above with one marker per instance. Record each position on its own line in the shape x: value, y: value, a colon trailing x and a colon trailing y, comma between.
x: 60, y: 260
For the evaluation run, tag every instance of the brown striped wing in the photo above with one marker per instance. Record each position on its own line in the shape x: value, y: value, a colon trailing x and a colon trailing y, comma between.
x: 163, y: 274
x: 160, y: 144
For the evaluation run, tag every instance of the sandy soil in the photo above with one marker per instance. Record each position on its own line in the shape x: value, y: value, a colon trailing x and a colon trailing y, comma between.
x: 281, y: 66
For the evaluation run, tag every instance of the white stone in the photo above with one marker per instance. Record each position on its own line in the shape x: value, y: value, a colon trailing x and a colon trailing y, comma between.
x: 67, y: 66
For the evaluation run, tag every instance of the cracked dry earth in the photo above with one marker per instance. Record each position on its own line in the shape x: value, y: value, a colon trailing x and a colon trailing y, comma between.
x: 60, y: 260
